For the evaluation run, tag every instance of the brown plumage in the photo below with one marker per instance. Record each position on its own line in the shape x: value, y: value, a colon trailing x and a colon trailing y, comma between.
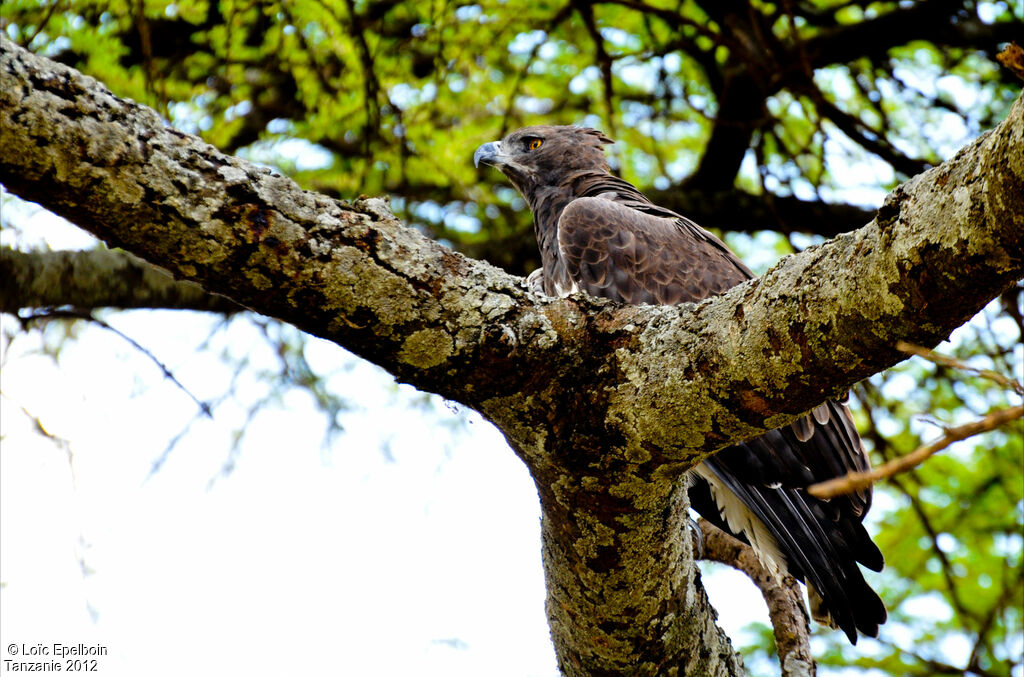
x: 600, y: 235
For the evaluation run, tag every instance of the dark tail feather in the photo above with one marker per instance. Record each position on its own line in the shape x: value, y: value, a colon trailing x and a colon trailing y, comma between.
x: 820, y: 549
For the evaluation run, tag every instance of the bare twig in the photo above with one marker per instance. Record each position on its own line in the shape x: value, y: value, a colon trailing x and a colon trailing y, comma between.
x: 861, y: 480
x: 604, y: 62
x: 1004, y: 601
x: 782, y: 594
x: 46, y: 20
x: 564, y: 13
x: 930, y: 529
x: 85, y: 315
x: 873, y: 140
x: 934, y: 666
x: 947, y: 361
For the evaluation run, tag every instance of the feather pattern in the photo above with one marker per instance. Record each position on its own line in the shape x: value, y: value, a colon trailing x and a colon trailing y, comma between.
x: 597, y: 233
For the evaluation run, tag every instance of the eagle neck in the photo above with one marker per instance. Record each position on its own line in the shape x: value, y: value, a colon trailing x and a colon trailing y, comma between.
x: 547, y: 204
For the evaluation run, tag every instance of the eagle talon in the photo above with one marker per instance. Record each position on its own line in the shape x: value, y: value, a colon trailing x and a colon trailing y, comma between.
x: 696, y: 538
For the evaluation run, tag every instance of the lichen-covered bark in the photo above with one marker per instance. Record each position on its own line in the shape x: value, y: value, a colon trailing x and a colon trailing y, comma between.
x: 621, y: 589
x: 607, y: 405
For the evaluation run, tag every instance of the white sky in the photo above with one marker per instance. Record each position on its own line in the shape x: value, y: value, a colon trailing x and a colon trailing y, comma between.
x: 301, y: 561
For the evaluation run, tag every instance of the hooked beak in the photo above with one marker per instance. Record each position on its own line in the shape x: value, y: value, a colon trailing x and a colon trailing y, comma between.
x: 489, y: 154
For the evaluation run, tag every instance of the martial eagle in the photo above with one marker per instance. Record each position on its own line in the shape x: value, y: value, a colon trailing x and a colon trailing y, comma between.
x: 600, y: 235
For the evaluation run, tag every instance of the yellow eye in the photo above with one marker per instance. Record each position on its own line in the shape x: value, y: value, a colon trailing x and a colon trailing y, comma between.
x: 534, y: 144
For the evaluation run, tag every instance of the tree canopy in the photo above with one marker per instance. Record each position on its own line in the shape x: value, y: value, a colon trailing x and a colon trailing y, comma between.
x: 741, y: 115
x: 789, y: 121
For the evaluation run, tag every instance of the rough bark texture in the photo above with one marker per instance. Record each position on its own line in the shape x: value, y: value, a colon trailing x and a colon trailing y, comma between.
x: 607, y: 405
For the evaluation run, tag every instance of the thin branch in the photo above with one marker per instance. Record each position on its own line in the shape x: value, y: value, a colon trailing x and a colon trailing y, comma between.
x: 945, y: 566
x: 40, y: 429
x: 947, y: 361
x: 85, y: 315
x: 786, y: 609
x: 42, y: 24
x: 936, y: 666
x: 559, y: 17
x: 604, y: 61
x: 1006, y: 599
x: 371, y: 85
x: 861, y: 480
x: 872, y: 140
x: 675, y: 19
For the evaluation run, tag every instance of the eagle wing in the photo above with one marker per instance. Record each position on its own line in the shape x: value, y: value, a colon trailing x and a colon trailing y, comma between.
x: 614, y: 243
x: 614, y: 251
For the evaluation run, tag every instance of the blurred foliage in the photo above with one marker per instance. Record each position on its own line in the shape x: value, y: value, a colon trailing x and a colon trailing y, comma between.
x: 746, y: 116
x: 828, y: 101
x: 953, y: 541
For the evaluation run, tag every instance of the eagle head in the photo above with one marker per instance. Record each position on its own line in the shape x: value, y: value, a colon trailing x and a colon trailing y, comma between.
x: 544, y: 155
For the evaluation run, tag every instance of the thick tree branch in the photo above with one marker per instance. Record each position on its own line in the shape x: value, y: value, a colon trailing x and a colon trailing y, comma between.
x: 925, y: 20
x: 348, y: 272
x: 607, y: 404
x: 736, y: 210
x: 96, y: 278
